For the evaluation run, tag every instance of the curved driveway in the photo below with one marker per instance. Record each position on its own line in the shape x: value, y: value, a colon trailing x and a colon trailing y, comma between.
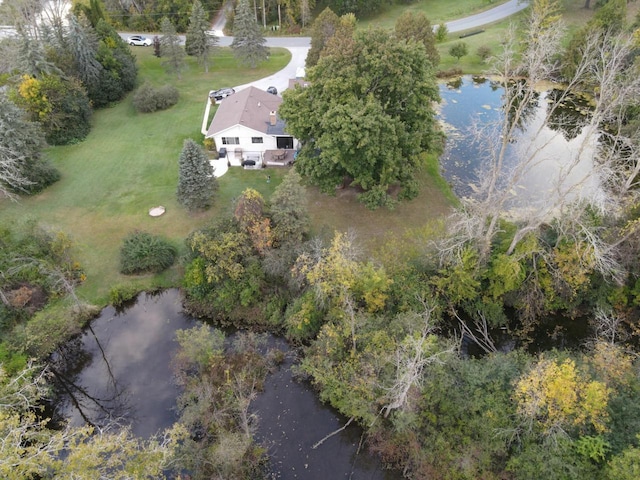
x: 299, y: 46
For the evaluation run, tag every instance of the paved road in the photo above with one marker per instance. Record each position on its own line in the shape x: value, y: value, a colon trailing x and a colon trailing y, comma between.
x: 489, y: 16
x: 299, y: 46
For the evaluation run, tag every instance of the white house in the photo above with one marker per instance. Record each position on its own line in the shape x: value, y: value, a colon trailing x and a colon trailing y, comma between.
x: 247, y: 127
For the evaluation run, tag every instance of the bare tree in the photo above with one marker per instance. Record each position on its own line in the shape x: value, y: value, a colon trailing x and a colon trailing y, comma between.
x: 603, y: 64
x: 415, y: 352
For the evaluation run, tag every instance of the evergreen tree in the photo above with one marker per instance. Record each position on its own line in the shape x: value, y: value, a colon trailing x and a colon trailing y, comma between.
x: 93, y: 11
x: 83, y: 45
x: 196, y: 183
x: 32, y: 59
x: 170, y: 48
x: 22, y: 167
x: 248, y: 44
x: 198, y: 42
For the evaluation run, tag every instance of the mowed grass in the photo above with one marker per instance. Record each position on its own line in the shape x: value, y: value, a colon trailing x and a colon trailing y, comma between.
x: 128, y: 164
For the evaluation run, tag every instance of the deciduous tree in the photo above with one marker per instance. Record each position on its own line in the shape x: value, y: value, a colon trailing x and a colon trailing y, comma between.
x: 323, y: 28
x: 59, y: 104
x: 370, y: 127
x: 288, y: 207
x: 459, y: 50
x: 416, y: 26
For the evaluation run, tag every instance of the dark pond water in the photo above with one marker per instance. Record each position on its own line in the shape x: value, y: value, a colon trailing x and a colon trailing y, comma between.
x: 119, y: 369
x: 293, y: 420
x: 560, y: 149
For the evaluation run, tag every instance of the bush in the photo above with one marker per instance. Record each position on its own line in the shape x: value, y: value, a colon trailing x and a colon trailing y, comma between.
x: 41, y: 173
x: 452, y: 72
x: 142, y: 252
x: 441, y: 33
x: 377, y: 197
x: 483, y: 52
x: 121, y: 294
x: 148, y: 99
x: 210, y: 145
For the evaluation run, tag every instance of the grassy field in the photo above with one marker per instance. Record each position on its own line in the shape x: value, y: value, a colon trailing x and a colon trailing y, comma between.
x: 129, y: 163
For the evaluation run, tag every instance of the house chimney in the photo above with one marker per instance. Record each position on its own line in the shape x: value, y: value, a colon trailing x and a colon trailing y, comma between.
x: 272, y: 118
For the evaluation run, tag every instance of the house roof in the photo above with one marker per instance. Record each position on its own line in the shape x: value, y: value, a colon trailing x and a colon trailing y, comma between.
x: 250, y: 107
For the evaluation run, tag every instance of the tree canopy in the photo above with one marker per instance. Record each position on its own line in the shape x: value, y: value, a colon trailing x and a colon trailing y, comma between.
x: 366, y: 116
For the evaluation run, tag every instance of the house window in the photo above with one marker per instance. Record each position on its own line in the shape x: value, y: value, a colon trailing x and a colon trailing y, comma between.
x: 256, y: 139
x: 230, y: 141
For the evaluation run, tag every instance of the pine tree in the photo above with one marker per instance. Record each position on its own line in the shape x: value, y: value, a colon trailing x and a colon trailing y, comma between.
x: 170, y: 48
x: 248, y: 44
x: 83, y: 45
x: 198, y: 42
x: 196, y: 183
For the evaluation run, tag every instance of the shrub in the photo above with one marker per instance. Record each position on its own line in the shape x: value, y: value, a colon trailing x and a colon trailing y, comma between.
x: 121, y: 294
x: 483, y: 52
x: 209, y: 144
x: 148, y: 99
x: 377, y: 197
x: 452, y: 72
x: 142, y: 252
x: 441, y: 33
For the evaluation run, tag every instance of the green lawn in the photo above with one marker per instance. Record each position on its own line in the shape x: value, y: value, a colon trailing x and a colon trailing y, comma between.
x: 128, y: 164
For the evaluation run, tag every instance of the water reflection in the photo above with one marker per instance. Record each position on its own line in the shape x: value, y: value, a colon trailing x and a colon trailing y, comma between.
x: 551, y: 156
x: 119, y: 370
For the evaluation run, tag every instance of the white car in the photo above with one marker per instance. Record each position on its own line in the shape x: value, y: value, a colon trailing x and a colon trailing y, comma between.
x: 139, y: 41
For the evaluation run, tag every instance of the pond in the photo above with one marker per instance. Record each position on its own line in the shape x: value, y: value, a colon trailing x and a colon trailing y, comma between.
x: 561, y: 152
x: 296, y: 426
x: 119, y: 370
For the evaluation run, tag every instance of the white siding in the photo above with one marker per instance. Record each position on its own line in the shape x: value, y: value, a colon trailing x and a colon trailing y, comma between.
x: 245, y: 135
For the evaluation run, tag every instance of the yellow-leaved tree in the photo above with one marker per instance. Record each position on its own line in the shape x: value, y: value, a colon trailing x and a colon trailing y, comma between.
x: 556, y: 397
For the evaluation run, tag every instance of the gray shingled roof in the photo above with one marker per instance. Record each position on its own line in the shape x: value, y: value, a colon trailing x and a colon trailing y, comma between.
x: 249, y: 107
